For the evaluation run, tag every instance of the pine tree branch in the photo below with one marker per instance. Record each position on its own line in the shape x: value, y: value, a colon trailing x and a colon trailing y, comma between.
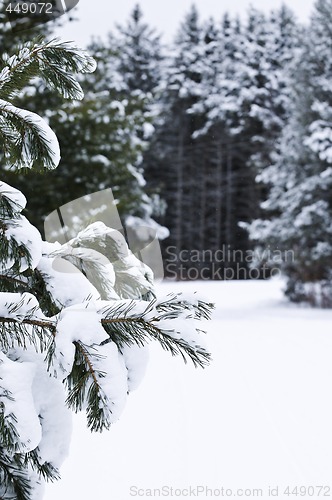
x: 52, y: 61
x: 9, y: 437
x: 13, y: 250
x: 15, y: 333
x: 32, y: 322
x: 134, y: 330
x: 9, y: 71
x: 138, y: 330
x: 98, y: 405
x: 84, y: 353
x: 29, y: 139
x: 14, y: 477
x: 14, y: 280
x: 45, y: 469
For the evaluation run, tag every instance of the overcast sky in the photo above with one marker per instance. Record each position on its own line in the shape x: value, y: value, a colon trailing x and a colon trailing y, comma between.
x: 98, y: 17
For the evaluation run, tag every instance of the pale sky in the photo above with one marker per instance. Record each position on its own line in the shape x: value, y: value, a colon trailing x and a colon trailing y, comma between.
x: 98, y: 17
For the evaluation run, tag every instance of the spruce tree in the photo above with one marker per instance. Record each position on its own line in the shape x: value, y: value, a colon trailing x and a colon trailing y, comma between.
x: 74, y: 318
x: 140, y: 54
x: 298, y: 207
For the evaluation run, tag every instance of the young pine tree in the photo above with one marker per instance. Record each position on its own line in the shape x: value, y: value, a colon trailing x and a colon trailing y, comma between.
x: 74, y: 318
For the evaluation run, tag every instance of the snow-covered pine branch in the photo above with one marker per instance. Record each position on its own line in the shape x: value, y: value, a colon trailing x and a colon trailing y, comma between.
x: 77, y: 333
x: 53, y: 61
x: 27, y: 140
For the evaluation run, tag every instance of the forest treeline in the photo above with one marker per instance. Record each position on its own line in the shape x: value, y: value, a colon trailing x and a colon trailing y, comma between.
x: 224, y: 137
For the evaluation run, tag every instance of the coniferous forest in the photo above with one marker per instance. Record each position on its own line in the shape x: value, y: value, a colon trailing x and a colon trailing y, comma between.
x: 222, y: 137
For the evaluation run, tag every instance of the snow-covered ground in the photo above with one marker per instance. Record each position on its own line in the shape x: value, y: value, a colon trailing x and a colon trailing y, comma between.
x: 259, y: 417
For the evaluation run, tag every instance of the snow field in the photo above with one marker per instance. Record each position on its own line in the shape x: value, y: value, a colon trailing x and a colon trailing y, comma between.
x: 260, y: 416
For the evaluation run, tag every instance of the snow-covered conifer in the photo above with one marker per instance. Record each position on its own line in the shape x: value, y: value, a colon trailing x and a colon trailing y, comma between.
x: 140, y: 54
x: 300, y: 177
x: 75, y: 318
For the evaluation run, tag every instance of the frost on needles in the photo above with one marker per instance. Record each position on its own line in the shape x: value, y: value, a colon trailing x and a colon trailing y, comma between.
x: 75, y: 319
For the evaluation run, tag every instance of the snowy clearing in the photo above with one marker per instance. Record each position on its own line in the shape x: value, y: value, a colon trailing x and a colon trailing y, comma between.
x: 260, y: 416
